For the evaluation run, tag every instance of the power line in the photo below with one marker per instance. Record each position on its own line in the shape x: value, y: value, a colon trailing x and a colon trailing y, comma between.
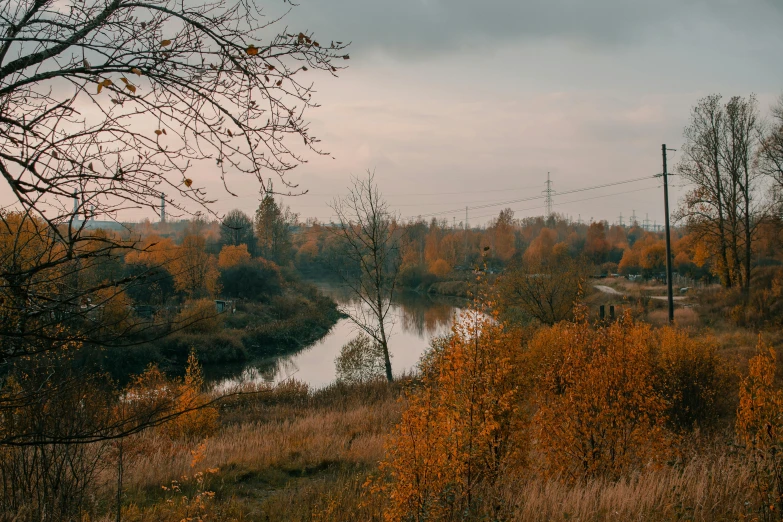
x: 401, y: 193
x: 576, y: 201
x: 531, y: 198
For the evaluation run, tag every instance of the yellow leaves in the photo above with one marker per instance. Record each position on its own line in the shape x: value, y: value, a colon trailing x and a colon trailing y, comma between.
x: 165, y: 43
x: 598, y: 414
x: 105, y: 83
x: 231, y: 256
x: 128, y: 85
x: 251, y: 50
x: 457, y: 427
x: 136, y: 71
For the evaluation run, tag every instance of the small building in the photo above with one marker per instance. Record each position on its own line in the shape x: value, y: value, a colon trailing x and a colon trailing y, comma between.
x: 224, y: 306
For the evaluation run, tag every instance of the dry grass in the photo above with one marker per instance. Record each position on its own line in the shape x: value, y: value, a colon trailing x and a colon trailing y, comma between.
x: 704, y: 489
x: 271, y: 444
x: 295, y: 455
x: 292, y: 454
x: 684, y: 317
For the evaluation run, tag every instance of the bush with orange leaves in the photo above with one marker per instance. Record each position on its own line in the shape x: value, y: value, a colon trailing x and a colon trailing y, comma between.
x: 690, y: 375
x: 455, y: 436
x: 598, y: 411
x: 200, y: 420
x: 760, y: 428
x: 182, y: 405
x: 440, y: 268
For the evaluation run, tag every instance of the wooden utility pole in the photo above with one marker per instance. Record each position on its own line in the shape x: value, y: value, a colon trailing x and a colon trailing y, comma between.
x: 466, y: 236
x: 668, y: 236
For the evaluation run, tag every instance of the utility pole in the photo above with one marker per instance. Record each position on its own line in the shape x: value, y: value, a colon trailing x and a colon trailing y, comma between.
x: 162, y: 208
x: 466, y: 236
x: 668, y: 236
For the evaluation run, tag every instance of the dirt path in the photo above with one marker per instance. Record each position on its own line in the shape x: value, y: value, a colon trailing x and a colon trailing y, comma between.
x: 611, y: 291
x: 607, y: 290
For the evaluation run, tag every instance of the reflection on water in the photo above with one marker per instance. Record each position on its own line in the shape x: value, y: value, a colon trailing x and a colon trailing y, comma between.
x: 415, y: 319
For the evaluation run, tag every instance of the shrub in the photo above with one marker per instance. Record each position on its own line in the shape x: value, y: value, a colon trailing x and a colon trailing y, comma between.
x: 197, y: 419
x: 440, y: 268
x: 599, y: 414
x: 760, y: 428
x: 199, y: 316
x: 455, y: 436
x: 690, y: 376
x: 360, y: 360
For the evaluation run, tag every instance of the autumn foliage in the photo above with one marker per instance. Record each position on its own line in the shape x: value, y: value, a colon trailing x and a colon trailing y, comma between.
x: 760, y: 427
x: 456, y: 435
x: 598, y: 411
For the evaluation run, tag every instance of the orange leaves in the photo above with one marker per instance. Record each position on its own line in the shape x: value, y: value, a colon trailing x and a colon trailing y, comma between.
x: 165, y: 43
x: 136, y: 71
x: 759, y: 416
x: 251, y: 50
x: 128, y: 85
x: 105, y: 83
x: 197, y: 420
x: 760, y: 424
x: 231, y: 256
x: 456, y: 431
x: 598, y: 411
x: 188, y: 182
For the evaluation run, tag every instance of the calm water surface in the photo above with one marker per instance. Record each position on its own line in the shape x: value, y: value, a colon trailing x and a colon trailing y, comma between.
x: 416, y: 320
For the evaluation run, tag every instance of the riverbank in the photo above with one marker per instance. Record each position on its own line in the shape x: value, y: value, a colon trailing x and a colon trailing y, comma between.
x: 283, y: 324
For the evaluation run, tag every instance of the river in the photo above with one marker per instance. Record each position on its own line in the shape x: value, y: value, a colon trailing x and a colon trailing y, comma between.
x: 415, y: 320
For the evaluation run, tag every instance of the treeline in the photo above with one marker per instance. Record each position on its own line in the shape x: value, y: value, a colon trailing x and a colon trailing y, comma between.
x: 436, y: 251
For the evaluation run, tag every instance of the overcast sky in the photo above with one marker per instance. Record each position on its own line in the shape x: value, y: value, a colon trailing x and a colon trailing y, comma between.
x: 470, y: 103
x: 458, y: 102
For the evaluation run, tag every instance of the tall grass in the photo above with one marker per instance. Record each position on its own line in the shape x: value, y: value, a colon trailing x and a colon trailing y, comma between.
x: 703, y: 490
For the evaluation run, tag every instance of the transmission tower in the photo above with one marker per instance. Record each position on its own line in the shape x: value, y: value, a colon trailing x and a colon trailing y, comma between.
x: 548, y: 193
x: 647, y: 222
x: 620, y: 220
x: 633, y: 218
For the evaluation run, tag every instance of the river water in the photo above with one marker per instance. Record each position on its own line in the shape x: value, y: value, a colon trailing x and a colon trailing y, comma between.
x: 415, y: 319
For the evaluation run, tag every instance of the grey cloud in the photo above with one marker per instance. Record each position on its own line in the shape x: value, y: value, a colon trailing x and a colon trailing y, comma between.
x: 404, y: 27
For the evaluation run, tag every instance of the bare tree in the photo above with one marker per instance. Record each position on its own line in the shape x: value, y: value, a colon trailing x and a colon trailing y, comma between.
x: 771, y: 154
x: 369, y: 258
x: 237, y: 229
x: 115, y: 100
x: 724, y: 206
x: 542, y: 290
x: 104, y: 106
